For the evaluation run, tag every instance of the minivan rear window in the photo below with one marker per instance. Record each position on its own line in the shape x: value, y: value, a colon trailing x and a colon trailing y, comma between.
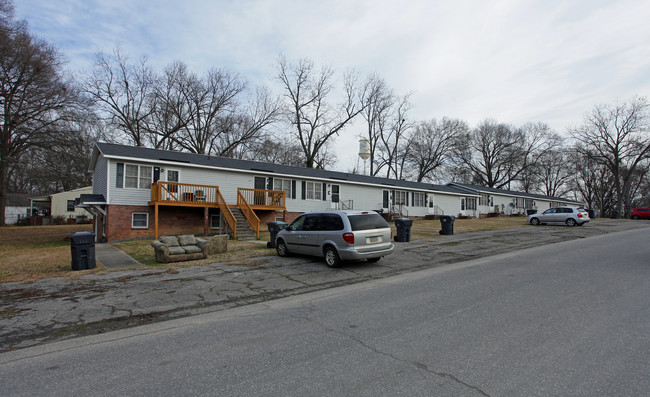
x: 367, y: 221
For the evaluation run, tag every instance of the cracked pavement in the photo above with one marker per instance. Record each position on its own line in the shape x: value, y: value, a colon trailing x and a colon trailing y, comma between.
x: 58, y: 308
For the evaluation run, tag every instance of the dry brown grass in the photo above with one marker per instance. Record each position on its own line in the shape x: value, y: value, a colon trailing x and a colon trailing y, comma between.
x: 29, y: 253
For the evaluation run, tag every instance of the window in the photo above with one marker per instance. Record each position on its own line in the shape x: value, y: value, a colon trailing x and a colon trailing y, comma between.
x: 418, y: 200
x: 215, y: 221
x: 468, y: 203
x: 140, y: 220
x: 400, y: 198
x: 282, y: 184
x: 70, y: 206
x: 314, y: 191
x: 137, y: 176
x: 485, y: 199
x: 172, y: 175
x: 330, y: 222
x: 367, y: 221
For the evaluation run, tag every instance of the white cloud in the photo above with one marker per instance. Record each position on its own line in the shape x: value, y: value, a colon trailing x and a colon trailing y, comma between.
x: 515, y: 61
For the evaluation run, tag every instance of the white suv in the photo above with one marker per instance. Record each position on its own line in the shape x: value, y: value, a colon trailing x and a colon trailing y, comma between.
x: 337, y: 236
x: 570, y: 216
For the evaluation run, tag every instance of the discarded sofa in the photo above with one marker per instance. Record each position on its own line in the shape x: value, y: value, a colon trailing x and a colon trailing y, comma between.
x: 180, y: 248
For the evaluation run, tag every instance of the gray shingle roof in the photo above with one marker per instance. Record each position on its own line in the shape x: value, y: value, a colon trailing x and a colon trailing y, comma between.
x: 477, y: 189
x: 133, y: 152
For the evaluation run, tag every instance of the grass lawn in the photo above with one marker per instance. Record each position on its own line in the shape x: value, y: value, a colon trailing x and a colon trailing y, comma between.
x: 29, y: 253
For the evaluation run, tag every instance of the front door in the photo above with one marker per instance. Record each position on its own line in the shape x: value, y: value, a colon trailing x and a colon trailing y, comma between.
x: 385, y: 202
x: 431, y: 208
x: 334, y: 196
x: 260, y: 185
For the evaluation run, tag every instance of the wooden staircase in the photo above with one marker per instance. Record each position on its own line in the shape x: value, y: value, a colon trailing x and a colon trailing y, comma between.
x: 244, y: 231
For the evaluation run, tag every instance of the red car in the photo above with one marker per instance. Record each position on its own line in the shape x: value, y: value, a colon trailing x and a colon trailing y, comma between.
x: 640, y: 213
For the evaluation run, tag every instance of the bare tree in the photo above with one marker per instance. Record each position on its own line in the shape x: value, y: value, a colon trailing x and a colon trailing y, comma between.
x: 378, y: 109
x: 123, y: 92
x: 394, y: 138
x: 249, y: 123
x: 169, y: 113
x: 536, y: 141
x: 618, y: 136
x: 432, y: 144
x: 274, y: 150
x: 34, y: 96
x: 554, y: 173
x: 490, y: 152
x: 593, y: 181
x: 308, y: 95
x: 211, y: 104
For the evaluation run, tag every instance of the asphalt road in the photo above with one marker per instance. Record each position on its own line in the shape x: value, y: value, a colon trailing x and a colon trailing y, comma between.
x: 571, y: 318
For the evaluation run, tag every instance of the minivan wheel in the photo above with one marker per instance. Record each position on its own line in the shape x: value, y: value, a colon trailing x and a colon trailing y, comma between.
x: 534, y: 221
x: 282, y: 249
x: 332, y: 257
x: 635, y: 217
x: 571, y: 222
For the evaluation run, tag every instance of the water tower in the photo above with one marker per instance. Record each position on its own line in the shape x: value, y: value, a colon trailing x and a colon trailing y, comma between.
x: 364, y: 152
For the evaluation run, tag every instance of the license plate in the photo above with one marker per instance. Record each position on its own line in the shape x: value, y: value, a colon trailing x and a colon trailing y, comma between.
x: 373, y: 240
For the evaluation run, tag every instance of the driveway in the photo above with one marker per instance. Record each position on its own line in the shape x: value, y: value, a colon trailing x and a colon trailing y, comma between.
x: 56, y: 309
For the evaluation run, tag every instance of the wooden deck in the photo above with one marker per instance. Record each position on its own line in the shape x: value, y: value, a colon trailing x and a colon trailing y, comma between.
x: 209, y: 196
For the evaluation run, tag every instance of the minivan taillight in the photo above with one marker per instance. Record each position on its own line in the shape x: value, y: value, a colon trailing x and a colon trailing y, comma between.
x: 348, y: 237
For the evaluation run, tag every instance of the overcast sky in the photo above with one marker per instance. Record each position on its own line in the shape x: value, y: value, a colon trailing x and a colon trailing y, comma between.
x: 513, y: 61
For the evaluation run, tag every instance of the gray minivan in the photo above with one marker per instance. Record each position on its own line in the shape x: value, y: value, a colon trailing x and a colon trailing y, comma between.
x: 337, y: 236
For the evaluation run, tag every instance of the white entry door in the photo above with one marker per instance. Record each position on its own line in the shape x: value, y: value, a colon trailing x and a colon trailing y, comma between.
x: 431, y: 208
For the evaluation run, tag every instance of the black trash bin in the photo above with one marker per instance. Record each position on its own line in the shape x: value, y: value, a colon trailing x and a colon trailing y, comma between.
x: 403, y: 226
x: 274, y: 228
x: 592, y: 214
x: 614, y: 214
x: 82, y: 248
x: 447, y: 224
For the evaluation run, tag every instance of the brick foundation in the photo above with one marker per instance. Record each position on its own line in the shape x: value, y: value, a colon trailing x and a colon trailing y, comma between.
x: 171, y: 221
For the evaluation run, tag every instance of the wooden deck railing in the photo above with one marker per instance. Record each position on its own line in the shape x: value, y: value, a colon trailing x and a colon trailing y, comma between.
x: 248, y: 212
x: 184, y: 193
x: 227, y: 214
x: 263, y: 199
x: 191, y: 195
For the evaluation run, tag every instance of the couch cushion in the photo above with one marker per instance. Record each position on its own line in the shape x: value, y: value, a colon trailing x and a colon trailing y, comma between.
x: 187, y: 239
x: 176, y: 250
x: 192, y: 249
x: 170, y: 241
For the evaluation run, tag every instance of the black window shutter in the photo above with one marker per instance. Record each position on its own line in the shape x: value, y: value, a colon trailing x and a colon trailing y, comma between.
x: 324, y: 197
x: 304, y: 189
x: 407, y: 199
x: 392, y: 197
x: 269, y: 184
x: 293, y: 189
x: 119, y: 177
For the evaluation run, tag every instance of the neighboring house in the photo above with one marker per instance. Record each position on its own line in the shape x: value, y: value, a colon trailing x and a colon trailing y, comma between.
x: 63, y: 204
x: 508, y: 202
x: 17, y: 207
x: 142, y: 193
